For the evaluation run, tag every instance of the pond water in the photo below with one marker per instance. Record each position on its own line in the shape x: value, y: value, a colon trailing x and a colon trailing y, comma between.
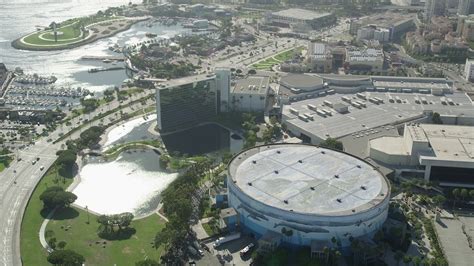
x: 198, y: 140
x: 133, y: 130
x: 131, y: 183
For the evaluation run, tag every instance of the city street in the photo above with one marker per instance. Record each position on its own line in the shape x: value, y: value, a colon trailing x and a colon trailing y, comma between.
x: 14, y: 196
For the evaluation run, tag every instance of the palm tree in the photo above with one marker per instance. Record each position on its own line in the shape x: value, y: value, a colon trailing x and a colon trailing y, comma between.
x: 456, y: 193
x: 464, y: 193
x: 398, y: 256
x: 407, y: 259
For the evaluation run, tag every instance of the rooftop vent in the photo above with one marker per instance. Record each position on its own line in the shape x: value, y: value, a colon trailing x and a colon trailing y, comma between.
x: 276, y: 172
x: 339, y: 200
x: 285, y: 201
x: 249, y: 183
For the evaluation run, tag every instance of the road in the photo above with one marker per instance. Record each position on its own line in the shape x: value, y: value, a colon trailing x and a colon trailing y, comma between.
x: 16, y: 187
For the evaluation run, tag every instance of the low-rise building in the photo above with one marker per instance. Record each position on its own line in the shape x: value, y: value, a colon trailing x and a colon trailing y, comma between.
x: 364, y: 59
x: 249, y: 94
x: 444, y: 153
x: 300, y: 18
x: 319, y: 58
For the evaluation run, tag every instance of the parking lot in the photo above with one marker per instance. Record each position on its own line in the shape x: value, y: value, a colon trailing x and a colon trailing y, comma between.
x: 454, y: 241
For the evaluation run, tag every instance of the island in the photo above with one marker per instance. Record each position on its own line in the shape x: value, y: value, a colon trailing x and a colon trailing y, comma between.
x: 75, y: 32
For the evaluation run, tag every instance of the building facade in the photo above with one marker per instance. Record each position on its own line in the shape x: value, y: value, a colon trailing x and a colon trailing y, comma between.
x: 186, y: 103
x: 469, y: 70
x: 442, y: 152
x: 434, y: 8
x: 304, y: 194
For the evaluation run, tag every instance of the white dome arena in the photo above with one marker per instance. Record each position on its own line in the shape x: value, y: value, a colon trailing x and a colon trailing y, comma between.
x: 316, y: 193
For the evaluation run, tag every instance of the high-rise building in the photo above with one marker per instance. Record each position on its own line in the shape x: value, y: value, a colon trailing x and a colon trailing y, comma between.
x: 469, y: 70
x: 466, y: 7
x: 223, y: 77
x: 434, y: 8
x: 186, y: 102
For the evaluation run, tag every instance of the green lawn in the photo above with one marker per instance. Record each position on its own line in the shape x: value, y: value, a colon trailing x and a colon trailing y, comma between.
x: 2, y: 167
x: 265, y: 64
x: 71, y: 226
x: 32, y: 253
x: 287, y: 55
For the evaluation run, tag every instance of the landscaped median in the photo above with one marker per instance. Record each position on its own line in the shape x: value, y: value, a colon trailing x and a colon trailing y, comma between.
x: 266, y: 64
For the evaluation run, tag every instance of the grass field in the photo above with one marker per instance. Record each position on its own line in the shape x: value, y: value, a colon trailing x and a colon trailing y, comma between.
x: 82, y: 238
x: 277, y: 59
x: 287, y: 55
x: 265, y: 64
x: 71, y: 34
x: 32, y: 253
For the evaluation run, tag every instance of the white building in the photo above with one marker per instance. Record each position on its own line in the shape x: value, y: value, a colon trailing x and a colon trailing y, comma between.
x: 444, y: 153
x: 469, y: 70
x: 312, y: 193
x: 365, y: 58
x: 223, y: 77
x: 319, y: 57
x: 249, y: 94
x: 373, y: 33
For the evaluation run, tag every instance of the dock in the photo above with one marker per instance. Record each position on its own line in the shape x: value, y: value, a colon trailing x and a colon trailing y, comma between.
x: 101, y: 58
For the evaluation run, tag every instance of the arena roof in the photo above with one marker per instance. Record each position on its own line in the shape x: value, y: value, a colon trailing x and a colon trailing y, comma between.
x: 307, y: 179
x: 301, y: 81
x: 300, y: 14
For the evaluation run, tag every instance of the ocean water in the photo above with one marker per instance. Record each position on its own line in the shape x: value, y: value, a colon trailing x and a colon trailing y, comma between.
x: 19, y: 17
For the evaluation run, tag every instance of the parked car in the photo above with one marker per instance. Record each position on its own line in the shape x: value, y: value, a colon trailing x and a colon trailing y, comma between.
x: 246, y: 249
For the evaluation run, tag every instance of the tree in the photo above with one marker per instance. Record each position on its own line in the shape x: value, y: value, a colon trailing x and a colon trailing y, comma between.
x: 436, y: 118
x: 332, y: 144
x: 66, y: 158
x: 65, y: 257
x: 456, y: 193
x: 398, y: 256
x: 62, y: 244
x: 55, y: 196
x: 464, y: 193
x: 416, y: 261
x: 407, y: 259
x: 147, y: 262
x: 439, y: 200
x: 471, y: 194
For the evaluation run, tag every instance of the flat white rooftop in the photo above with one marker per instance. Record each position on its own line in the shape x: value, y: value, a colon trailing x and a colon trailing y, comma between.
x: 374, y: 115
x: 301, y: 14
x: 453, y: 143
x: 307, y: 179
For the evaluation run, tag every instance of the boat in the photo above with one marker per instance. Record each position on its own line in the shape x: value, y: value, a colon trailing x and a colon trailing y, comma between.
x: 107, y: 61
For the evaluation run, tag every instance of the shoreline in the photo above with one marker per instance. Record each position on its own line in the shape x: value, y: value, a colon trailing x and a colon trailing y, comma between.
x: 17, y: 43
